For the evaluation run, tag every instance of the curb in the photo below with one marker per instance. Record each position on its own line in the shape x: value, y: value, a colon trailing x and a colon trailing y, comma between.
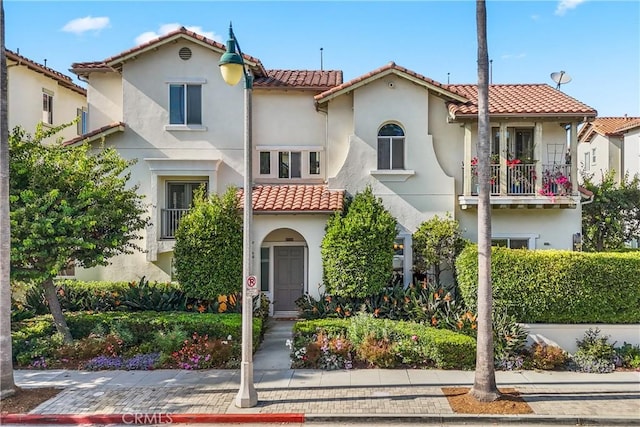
x: 161, y: 418
x: 149, y: 419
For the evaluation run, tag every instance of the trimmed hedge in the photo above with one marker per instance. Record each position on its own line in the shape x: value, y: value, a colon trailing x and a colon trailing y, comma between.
x: 554, y: 286
x: 444, y: 348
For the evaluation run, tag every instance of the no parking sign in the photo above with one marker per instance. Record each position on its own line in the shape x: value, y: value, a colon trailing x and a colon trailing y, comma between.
x: 252, y: 286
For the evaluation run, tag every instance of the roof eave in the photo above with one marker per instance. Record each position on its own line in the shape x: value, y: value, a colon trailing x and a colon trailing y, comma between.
x: 579, y: 116
x: 98, y: 136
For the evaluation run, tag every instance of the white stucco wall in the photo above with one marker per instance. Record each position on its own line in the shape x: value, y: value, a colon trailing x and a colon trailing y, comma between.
x: 104, y: 97
x: 24, y: 95
x: 631, y: 154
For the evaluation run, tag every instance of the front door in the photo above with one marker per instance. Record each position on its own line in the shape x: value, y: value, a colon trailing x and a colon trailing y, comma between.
x: 289, y: 277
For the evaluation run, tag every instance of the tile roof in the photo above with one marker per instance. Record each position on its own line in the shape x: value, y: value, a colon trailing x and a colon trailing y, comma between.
x: 97, y: 133
x: 607, y: 126
x: 519, y: 100
x: 294, y: 198
x: 62, y: 79
x: 114, y: 62
x: 300, y: 79
x: 390, y: 68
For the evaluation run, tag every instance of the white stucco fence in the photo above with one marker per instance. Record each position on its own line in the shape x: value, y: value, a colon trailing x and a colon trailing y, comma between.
x: 565, y: 336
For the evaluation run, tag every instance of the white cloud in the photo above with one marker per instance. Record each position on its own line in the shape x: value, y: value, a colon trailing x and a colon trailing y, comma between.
x: 513, y: 55
x: 88, y: 23
x: 565, y: 5
x: 167, y: 28
x: 535, y: 17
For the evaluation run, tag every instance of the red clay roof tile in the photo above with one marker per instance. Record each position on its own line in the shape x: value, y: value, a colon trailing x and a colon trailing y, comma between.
x: 372, y: 75
x: 294, y: 198
x: 62, y: 79
x: 111, y: 63
x: 607, y: 126
x: 300, y: 79
x: 106, y: 130
x: 521, y: 100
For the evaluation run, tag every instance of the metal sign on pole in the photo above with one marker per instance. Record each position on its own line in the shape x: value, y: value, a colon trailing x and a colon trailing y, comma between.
x: 252, y: 286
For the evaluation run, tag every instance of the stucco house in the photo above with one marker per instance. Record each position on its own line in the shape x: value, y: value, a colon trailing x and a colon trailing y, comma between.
x: 317, y: 139
x: 39, y: 94
x: 610, y: 144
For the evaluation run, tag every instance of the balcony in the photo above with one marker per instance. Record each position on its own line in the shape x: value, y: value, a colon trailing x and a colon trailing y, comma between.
x: 523, y: 185
x: 170, y: 219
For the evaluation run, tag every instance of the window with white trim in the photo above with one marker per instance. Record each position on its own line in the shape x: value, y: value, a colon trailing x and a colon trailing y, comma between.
x: 178, y: 201
x: 185, y: 104
x: 514, y: 241
x: 390, y: 147
x: 81, y: 127
x: 289, y: 163
x: 587, y: 163
x: 47, y: 106
x: 593, y: 156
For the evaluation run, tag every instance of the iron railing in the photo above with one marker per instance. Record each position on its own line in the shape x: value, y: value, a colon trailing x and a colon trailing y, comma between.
x: 170, y: 219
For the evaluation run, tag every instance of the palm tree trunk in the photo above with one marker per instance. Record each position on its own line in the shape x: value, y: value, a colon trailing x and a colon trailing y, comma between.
x: 7, y: 383
x: 484, y: 386
x: 50, y: 293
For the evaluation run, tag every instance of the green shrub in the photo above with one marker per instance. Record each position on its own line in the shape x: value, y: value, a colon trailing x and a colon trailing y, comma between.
x: 628, y: 356
x: 557, y: 286
x: 548, y: 356
x: 378, y: 339
x: 357, y: 248
x: 595, y: 353
x: 31, y: 338
x: 510, y: 341
x: 208, y: 249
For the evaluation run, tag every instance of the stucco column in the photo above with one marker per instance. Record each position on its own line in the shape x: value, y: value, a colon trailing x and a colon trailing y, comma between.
x: 537, y: 155
x: 573, y: 152
x: 466, y: 162
x: 504, y: 148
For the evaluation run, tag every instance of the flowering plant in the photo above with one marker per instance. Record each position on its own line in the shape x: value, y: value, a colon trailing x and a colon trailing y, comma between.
x: 555, y: 182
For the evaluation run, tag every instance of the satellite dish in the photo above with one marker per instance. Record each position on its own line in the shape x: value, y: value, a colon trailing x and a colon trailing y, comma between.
x: 560, y: 78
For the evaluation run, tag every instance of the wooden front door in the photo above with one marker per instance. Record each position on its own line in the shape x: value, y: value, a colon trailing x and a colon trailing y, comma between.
x: 289, y: 277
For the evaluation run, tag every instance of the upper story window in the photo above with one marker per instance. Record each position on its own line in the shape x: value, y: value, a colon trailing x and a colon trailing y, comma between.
x: 289, y: 162
x: 587, y: 163
x: 185, y: 104
x: 593, y: 156
x: 47, y: 107
x: 390, y: 147
x: 81, y: 127
x: 519, y: 144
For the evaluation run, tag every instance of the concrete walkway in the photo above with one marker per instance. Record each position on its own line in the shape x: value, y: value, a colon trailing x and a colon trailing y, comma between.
x: 372, y: 395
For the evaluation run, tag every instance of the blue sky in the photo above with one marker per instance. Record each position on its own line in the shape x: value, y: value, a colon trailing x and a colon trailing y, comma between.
x: 596, y: 42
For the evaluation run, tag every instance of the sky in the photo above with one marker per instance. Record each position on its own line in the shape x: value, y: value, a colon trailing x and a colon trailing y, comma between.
x: 597, y: 43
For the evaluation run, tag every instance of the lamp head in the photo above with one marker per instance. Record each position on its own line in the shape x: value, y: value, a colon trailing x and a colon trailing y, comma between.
x: 231, y: 63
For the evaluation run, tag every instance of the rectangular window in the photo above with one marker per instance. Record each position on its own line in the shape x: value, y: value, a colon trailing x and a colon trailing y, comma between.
x: 81, y: 127
x: 265, y: 163
x: 185, y: 104
x: 314, y: 163
x: 511, y: 243
x: 264, y: 269
x: 523, y: 145
x: 289, y: 164
x: 593, y: 156
x: 47, y: 107
x: 586, y: 162
x: 390, y: 152
x: 179, y: 198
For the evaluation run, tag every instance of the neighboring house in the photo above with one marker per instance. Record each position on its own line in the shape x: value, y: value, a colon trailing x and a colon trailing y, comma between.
x: 610, y: 144
x: 38, y: 94
x: 316, y: 140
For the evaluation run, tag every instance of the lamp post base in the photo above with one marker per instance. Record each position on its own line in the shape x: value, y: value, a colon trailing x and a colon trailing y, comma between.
x: 247, y: 396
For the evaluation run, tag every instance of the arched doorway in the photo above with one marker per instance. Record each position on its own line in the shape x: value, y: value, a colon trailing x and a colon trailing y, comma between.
x: 284, y: 269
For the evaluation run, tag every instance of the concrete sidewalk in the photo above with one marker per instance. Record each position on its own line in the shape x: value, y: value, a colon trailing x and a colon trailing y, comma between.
x: 372, y: 395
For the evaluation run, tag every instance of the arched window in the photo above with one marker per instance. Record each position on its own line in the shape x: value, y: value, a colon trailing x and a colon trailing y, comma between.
x: 391, y: 147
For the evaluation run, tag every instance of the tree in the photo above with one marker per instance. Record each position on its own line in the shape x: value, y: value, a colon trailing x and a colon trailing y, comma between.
x: 7, y: 383
x: 357, y: 249
x: 613, y: 217
x: 208, y: 250
x: 436, y: 244
x: 68, y: 204
x: 484, y: 385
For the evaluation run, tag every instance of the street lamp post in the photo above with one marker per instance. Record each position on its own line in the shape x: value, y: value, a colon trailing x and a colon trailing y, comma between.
x: 232, y: 68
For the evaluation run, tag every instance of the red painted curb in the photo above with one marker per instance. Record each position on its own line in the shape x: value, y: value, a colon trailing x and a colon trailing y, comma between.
x: 146, y: 419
